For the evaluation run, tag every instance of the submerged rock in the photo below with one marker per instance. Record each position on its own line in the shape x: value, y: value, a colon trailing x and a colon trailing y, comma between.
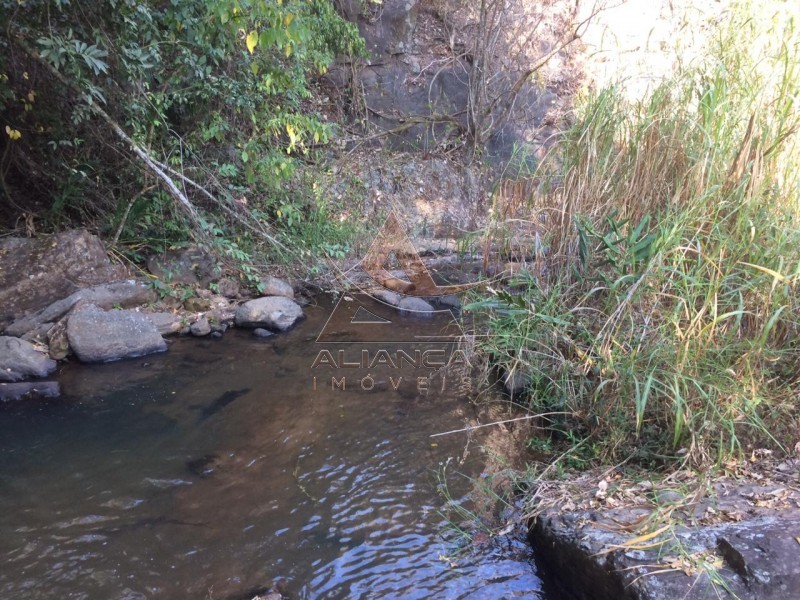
x: 415, y: 306
x: 96, y: 335
x: 450, y: 301
x: 262, y: 333
x: 388, y: 297
x: 273, y: 312
x: 10, y: 392
x: 20, y: 360
x: 203, y: 466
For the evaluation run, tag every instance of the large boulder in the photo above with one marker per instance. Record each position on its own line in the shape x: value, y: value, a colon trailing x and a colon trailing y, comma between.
x: 273, y: 312
x: 20, y: 360
x: 123, y: 294
x: 96, y: 335
x: 38, y: 271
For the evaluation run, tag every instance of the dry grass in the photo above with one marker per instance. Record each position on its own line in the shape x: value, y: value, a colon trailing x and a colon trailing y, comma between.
x: 662, y: 312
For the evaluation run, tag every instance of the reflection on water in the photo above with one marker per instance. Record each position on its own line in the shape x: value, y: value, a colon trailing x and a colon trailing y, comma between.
x: 216, y: 469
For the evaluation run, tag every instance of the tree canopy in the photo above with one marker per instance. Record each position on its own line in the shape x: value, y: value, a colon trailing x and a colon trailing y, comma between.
x: 216, y: 93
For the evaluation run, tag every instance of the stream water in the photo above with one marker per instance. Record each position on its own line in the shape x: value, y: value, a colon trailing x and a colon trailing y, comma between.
x: 216, y: 469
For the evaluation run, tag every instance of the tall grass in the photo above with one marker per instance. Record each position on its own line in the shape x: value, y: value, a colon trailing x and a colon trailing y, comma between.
x: 664, y: 314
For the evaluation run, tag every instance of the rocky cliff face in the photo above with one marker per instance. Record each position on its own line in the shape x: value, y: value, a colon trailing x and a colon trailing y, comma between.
x: 416, y: 80
x: 35, y: 272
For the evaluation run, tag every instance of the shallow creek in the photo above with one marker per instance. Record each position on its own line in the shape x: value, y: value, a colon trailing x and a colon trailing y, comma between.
x: 216, y: 469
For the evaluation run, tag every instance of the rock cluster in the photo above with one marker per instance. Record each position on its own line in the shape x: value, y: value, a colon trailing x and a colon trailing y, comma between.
x: 60, y: 295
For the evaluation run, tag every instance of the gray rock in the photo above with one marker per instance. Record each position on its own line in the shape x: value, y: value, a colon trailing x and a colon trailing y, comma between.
x: 40, y: 389
x: 191, y: 266
x: 393, y: 32
x: 124, y: 294
x: 763, y: 553
x: 273, y: 312
x: 96, y: 335
x: 277, y: 287
x: 216, y: 334
x: 451, y: 301
x: 35, y: 272
x: 200, y: 328
x: 262, y: 333
x: 166, y: 323
x: 388, y: 297
x: 415, y: 306
x: 217, y: 327
x: 228, y: 287
x: 397, y: 47
x: 219, y: 302
x: 20, y: 360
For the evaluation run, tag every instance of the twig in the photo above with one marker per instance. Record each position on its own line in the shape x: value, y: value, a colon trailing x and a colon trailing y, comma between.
x: 473, y: 427
x: 127, y: 212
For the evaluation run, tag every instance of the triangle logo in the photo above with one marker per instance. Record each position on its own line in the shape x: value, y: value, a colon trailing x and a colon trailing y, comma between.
x: 392, y: 247
x: 363, y: 316
x: 360, y: 318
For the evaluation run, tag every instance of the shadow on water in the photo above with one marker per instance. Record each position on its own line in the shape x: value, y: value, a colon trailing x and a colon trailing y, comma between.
x: 219, y: 403
x: 218, y: 468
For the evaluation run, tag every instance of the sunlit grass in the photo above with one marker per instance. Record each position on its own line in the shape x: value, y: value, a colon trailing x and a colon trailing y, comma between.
x: 664, y: 314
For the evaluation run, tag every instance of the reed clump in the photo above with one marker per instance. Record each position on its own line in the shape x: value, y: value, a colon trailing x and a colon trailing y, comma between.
x: 659, y: 309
